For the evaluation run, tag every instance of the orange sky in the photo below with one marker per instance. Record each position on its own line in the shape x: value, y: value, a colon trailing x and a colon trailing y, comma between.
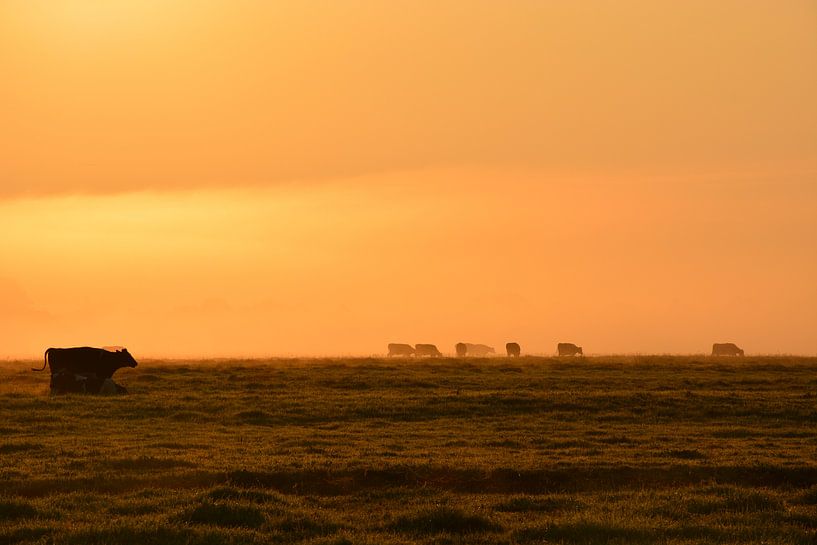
x: 255, y: 178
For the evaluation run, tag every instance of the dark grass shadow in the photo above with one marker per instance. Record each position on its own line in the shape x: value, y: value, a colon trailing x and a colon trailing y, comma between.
x: 16, y: 510
x: 227, y: 515
x: 443, y: 520
x: 155, y: 535
x: 534, y: 504
x: 144, y: 463
x: 12, y: 447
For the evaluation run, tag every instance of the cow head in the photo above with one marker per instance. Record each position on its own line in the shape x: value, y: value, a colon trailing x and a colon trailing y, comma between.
x: 580, y: 351
x: 124, y: 357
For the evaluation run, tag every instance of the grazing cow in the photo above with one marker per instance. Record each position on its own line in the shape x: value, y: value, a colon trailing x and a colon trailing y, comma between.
x: 569, y: 349
x: 427, y: 350
x: 479, y: 350
x: 86, y: 370
x: 461, y: 349
x: 726, y: 349
x: 513, y: 350
x: 398, y: 349
x: 84, y: 361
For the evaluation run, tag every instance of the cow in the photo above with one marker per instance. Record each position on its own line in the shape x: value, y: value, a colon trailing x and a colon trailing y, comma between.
x: 85, y: 370
x: 479, y: 350
x: 461, y: 349
x: 513, y: 350
x: 726, y: 349
x: 427, y: 350
x: 398, y: 349
x: 569, y: 349
x: 98, y: 361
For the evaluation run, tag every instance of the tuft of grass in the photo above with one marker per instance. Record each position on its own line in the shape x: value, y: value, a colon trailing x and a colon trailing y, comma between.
x: 444, y: 520
x: 226, y: 515
x: 684, y: 454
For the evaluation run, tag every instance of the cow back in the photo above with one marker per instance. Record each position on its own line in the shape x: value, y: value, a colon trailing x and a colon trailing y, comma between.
x: 398, y: 349
x: 513, y: 349
x: 426, y: 350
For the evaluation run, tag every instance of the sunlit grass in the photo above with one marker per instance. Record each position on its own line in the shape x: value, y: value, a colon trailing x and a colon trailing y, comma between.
x: 593, y: 450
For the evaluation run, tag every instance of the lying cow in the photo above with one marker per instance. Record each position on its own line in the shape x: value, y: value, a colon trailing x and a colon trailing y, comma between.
x: 85, y: 369
x: 569, y: 349
x: 427, y: 350
x: 397, y: 349
x: 479, y: 350
x: 726, y: 349
x: 513, y: 350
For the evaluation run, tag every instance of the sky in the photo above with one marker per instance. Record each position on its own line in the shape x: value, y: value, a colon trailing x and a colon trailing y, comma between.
x: 247, y: 178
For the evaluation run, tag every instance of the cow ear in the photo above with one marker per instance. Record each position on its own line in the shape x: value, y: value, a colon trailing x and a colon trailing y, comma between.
x: 125, y: 350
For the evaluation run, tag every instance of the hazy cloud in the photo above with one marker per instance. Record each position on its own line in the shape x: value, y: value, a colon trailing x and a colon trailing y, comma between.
x: 209, y: 94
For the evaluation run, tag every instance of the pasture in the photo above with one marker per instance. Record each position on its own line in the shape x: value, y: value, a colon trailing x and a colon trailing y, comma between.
x: 364, y: 451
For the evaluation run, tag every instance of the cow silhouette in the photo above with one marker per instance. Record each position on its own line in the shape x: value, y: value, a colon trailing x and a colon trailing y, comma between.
x: 569, y: 349
x: 461, y: 350
x: 85, y: 360
x: 427, y: 350
x: 398, y: 349
x: 726, y: 349
x: 85, y: 369
x: 513, y: 350
x: 479, y: 350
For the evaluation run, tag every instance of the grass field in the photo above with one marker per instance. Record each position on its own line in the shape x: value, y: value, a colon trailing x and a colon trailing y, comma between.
x: 331, y: 451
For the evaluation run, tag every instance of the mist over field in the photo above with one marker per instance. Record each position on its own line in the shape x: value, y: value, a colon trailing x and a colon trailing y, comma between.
x: 631, y: 265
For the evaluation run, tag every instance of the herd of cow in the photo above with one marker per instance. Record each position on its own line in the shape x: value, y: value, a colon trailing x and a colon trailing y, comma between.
x: 513, y: 350
x: 90, y: 370
x: 475, y: 350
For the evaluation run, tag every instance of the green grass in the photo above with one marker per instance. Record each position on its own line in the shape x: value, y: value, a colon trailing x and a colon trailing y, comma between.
x: 362, y: 451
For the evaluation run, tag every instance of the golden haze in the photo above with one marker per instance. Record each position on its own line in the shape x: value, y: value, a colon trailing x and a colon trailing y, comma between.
x: 253, y: 178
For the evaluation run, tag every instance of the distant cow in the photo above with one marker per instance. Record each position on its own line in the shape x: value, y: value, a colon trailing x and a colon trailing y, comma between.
x: 479, y: 350
x: 397, y: 349
x: 569, y: 349
x: 726, y: 349
x: 513, y: 350
x: 461, y: 349
x: 427, y: 350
